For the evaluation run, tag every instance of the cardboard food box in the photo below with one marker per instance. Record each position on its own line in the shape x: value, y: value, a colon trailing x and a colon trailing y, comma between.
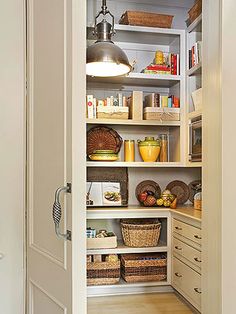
x: 113, y: 112
x: 102, y: 243
x: 161, y: 114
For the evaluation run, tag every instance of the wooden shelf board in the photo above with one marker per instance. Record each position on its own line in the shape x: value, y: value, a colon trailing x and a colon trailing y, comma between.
x: 137, y: 164
x: 122, y: 249
x: 196, y: 70
x: 194, y: 114
x: 196, y: 26
x: 131, y: 122
x: 140, y: 79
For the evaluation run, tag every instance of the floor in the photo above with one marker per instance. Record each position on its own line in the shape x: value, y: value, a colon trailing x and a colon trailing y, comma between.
x: 161, y: 303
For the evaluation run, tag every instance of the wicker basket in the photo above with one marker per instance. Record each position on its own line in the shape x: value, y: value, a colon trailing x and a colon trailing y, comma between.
x: 140, y: 18
x: 144, y: 267
x: 195, y: 11
x: 140, y: 233
x: 103, y: 273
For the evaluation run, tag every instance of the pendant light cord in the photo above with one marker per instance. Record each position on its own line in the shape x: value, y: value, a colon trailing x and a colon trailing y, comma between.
x: 104, y: 12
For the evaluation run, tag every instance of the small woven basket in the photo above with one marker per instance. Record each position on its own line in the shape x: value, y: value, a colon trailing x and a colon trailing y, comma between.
x: 103, y: 273
x: 149, y: 19
x: 195, y: 11
x: 140, y: 233
x: 144, y: 267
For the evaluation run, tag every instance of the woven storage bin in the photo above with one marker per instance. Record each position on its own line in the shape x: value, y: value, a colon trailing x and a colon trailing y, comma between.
x: 140, y: 233
x: 161, y: 114
x: 144, y: 267
x: 113, y: 113
x: 140, y: 18
x: 195, y: 11
x: 103, y: 273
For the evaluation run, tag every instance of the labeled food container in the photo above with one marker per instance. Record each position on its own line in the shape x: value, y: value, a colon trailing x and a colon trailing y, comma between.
x: 149, y: 149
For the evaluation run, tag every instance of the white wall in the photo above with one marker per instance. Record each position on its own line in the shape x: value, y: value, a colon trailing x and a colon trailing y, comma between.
x: 11, y: 156
x: 228, y: 158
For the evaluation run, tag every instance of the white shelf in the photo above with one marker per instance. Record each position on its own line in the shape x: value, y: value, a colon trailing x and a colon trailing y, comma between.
x: 196, y: 26
x: 137, y: 164
x: 132, y: 211
x: 196, y: 164
x: 140, y: 79
x: 131, y: 122
x: 194, y: 114
x: 122, y: 249
x: 151, y: 35
x: 129, y: 288
x: 196, y: 70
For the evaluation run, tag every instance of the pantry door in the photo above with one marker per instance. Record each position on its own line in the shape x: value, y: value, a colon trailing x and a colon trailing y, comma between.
x: 56, y: 52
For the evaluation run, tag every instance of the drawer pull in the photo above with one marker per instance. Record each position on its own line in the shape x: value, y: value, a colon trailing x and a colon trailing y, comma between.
x: 197, y: 237
x: 178, y: 275
x: 178, y: 248
x: 197, y: 259
x: 197, y: 290
x: 178, y: 228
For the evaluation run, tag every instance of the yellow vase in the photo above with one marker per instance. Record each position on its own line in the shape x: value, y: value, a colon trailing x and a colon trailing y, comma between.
x: 149, y: 149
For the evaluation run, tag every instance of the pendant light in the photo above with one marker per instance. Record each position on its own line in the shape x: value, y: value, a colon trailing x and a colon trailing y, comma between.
x: 104, y: 58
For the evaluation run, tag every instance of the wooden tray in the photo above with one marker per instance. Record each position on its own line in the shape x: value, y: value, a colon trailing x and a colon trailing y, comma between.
x: 102, y: 243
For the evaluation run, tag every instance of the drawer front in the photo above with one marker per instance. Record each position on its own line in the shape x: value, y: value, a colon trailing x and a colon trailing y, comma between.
x: 187, y: 231
x: 187, y: 281
x: 188, y: 252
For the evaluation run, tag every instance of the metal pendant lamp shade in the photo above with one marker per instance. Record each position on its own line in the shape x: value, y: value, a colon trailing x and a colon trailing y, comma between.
x: 104, y: 58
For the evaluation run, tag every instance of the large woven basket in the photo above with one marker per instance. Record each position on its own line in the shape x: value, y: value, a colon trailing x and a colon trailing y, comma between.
x: 140, y: 233
x: 144, y: 267
x: 195, y: 11
x: 103, y: 273
x: 140, y: 18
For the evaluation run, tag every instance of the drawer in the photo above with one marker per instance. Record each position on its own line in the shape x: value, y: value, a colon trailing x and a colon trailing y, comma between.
x: 188, y: 252
x: 187, y: 282
x: 190, y: 232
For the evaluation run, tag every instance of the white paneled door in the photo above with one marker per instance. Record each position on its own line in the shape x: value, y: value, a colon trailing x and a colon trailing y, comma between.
x: 56, y: 272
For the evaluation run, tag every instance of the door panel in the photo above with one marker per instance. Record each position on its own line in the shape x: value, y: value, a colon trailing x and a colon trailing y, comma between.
x: 56, y: 155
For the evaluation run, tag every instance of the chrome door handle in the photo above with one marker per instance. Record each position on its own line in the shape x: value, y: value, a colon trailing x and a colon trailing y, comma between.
x: 57, y: 212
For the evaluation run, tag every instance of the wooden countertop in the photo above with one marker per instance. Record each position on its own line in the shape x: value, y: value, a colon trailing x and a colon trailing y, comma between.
x: 188, y: 212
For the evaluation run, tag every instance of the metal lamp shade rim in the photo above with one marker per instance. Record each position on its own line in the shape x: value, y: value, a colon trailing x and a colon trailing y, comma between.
x: 107, y: 52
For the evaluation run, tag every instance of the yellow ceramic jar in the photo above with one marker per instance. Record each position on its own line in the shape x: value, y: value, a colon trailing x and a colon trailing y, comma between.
x: 149, y: 149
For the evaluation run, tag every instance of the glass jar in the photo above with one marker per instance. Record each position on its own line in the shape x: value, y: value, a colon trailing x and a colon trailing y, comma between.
x: 129, y: 150
x: 164, y: 148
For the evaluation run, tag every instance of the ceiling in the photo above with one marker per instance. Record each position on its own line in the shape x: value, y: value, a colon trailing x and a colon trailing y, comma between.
x: 173, y: 3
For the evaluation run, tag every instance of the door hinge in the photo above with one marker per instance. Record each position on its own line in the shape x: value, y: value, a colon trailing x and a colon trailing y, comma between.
x: 69, y: 235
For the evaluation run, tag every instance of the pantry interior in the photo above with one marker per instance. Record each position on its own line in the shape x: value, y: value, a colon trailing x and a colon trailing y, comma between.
x: 180, y: 238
